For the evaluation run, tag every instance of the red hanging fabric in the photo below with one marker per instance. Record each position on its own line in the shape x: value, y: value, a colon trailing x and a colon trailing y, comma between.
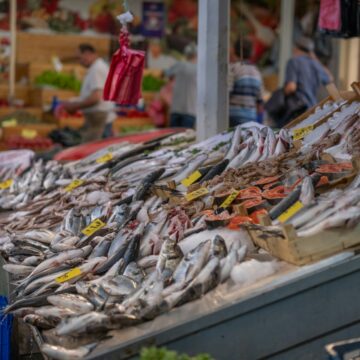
x: 123, y: 84
x: 330, y: 15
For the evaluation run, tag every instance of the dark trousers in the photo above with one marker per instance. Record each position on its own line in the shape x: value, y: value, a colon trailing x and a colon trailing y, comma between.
x: 182, y: 120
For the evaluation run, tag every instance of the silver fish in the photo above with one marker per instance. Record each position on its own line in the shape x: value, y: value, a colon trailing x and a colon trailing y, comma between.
x: 76, y: 303
x: 235, y: 144
x: 61, y: 353
x: 18, y: 269
x: 307, y: 191
x: 87, y: 323
x: 54, y: 311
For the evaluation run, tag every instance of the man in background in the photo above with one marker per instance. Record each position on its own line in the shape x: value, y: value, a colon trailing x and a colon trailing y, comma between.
x: 183, y: 107
x: 304, y: 73
x: 246, y: 100
x: 99, y: 114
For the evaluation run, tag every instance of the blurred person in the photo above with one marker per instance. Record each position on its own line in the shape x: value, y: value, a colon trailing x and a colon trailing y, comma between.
x: 99, y: 114
x: 156, y: 59
x: 183, y: 106
x: 246, y: 86
x: 305, y: 73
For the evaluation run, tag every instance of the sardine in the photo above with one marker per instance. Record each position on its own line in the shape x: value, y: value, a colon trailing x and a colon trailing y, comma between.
x: 76, y: 303
x: 61, y: 353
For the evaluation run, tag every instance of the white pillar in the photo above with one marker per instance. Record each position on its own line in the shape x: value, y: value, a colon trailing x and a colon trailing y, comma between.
x: 212, y: 73
x: 12, y: 69
x: 286, y: 36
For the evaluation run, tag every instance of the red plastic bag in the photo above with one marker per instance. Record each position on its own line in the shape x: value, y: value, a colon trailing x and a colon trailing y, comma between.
x: 123, y: 84
x: 330, y: 15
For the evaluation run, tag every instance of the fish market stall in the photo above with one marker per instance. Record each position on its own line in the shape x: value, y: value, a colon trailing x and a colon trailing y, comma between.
x: 204, y: 247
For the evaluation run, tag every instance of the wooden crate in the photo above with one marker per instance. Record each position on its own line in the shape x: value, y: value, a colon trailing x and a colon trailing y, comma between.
x: 124, y: 121
x: 41, y: 129
x: 42, y: 47
x: 36, y: 69
x: 300, y: 251
x: 44, y: 96
x: 35, y: 111
x: 72, y: 122
x: 346, y: 95
x: 22, y: 92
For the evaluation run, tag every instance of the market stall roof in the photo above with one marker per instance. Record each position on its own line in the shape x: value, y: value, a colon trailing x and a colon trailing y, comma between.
x: 81, y: 151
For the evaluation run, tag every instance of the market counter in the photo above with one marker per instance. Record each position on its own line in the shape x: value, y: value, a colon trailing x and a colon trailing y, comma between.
x: 287, y: 317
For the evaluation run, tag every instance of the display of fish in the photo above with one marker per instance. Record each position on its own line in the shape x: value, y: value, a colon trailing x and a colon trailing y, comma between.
x: 117, y: 238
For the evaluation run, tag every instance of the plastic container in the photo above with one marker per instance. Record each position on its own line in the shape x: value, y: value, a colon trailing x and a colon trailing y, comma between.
x: 5, y: 331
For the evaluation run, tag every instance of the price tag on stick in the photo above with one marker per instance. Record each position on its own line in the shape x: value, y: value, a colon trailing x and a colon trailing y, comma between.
x: 196, y: 194
x: 74, y: 184
x: 228, y: 201
x: 68, y: 275
x: 291, y: 211
x: 191, y: 178
x: 93, y: 227
x: 105, y: 158
x: 6, y: 184
x: 300, y: 133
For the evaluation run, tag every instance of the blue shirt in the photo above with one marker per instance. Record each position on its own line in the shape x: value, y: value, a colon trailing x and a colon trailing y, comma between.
x: 308, y: 74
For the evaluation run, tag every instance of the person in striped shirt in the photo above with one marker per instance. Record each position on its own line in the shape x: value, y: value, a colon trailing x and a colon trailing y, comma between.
x: 246, y: 86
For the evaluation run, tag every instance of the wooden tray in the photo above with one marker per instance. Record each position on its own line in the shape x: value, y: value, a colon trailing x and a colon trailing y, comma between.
x: 300, y: 251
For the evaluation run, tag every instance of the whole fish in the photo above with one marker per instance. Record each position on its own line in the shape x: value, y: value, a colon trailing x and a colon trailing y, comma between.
x: 307, y: 191
x: 215, y: 170
x: 189, y: 267
x: 189, y: 168
x: 101, y: 249
x: 61, y: 258
x: 75, y: 303
x: 227, y: 263
x: 169, y: 258
x: 120, y: 286
x: 42, y: 235
x: 134, y: 272
x: 91, y: 322
x: 18, y: 269
x: 335, y: 220
x: 39, y: 321
x: 144, y: 186
x: 235, y: 143
x: 54, y: 311
x: 61, y: 353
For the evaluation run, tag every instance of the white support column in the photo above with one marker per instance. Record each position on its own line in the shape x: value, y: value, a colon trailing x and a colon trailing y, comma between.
x: 212, y: 74
x: 12, y: 70
x: 286, y: 36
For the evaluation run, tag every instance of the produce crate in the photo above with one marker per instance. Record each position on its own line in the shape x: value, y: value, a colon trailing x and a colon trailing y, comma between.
x: 30, y: 130
x: 22, y: 92
x: 42, y: 47
x: 127, y: 121
x: 35, y: 111
x: 44, y: 96
x: 36, y: 69
x: 72, y: 122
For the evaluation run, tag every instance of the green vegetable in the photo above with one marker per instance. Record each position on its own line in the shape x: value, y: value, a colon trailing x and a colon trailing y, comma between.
x: 135, y: 129
x: 154, y: 353
x: 59, y: 80
x: 152, y: 83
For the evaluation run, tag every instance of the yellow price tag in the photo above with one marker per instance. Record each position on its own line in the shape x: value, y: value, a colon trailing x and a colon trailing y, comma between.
x: 291, y: 211
x: 29, y: 134
x: 68, y: 275
x: 6, y: 184
x: 9, y: 123
x: 300, y: 133
x: 227, y: 202
x: 104, y: 159
x: 73, y: 185
x: 196, y: 194
x: 191, y: 178
x: 93, y: 227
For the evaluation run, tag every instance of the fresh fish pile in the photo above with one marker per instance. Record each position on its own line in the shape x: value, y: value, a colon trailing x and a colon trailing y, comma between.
x: 128, y: 242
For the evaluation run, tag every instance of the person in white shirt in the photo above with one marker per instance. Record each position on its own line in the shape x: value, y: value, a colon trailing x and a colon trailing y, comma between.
x: 99, y: 114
